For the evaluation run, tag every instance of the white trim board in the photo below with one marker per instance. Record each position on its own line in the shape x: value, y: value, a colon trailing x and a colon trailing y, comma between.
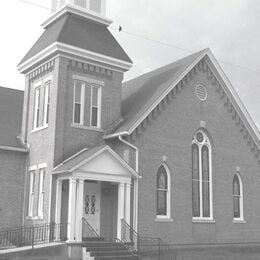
x: 79, y: 52
x: 103, y: 149
x: 87, y: 14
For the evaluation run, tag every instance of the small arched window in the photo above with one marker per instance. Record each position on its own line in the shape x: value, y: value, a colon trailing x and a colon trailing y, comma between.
x: 163, y: 192
x: 201, y: 176
x: 237, y: 198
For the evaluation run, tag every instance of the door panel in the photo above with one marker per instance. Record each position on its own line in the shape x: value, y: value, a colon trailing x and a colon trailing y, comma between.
x: 91, y: 207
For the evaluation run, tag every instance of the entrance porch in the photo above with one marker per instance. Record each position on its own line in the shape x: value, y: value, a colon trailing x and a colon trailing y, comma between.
x: 98, y: 189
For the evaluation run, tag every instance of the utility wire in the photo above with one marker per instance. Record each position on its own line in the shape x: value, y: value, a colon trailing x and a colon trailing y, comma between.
x: 182, y: 49
x: 37, y: 5
x: 120, y: 30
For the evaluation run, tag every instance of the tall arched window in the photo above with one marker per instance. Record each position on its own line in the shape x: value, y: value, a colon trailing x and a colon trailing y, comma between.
x: 201, y: 176
x: 163, y: 192
x: 237, y: 198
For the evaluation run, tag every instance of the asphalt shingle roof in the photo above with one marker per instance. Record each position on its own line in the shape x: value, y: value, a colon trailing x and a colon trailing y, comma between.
x: 11, y: 114
x: 77, y: 158
x: 79, y: 32
x: 140, y: 93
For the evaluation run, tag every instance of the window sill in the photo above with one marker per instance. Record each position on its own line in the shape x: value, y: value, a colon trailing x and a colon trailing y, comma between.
x: 207, y: 221
x: 238, y: 221
x: 87, y: 128
x: 34, y: 218
x: 39, y: 128
x: 162, y: 219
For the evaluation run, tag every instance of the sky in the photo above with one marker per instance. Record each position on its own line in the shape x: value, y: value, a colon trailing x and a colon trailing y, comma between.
x: 230, y: 28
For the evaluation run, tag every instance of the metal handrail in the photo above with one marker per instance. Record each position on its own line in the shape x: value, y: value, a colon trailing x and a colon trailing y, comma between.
x: 87, y: 228
x: 144, y: 245
x: 117, y: 240
x: 128, y: 234
x: 32, y: 235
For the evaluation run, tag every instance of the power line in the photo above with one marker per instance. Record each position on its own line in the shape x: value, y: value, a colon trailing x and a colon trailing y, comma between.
x: 37, y: 5
x: 150, y: 39
x: 120, y: 30
x: 182, y: 49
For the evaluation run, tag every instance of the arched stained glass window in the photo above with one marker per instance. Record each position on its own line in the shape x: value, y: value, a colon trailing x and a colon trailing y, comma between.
x: 237, y: 198
x: 201, y: 176
x: 163, y: 194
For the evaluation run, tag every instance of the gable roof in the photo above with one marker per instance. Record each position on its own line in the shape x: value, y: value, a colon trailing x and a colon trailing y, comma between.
x: 86, y: 155
x: 141, y: 95
x: 11, y: 113
x: 78, y: 32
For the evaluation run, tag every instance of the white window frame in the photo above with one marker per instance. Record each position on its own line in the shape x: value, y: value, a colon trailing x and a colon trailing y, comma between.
x: 46, y: 108
x: 98, y: 105
x: 168, y: 195
x: 37, y: 103
x: 241, y: 199
x: 32, y: 176
x: 207, y: 143
x: 38, y: 86
x: 82, y: 102
x: 41, y: 192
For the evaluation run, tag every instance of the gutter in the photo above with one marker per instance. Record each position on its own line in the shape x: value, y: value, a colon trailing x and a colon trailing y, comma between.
x: 14, y: 149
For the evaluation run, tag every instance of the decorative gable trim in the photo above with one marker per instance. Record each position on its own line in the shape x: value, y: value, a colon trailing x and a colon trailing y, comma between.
x: 83, y: 162
x: 207, y: 62
x: 42, y: 70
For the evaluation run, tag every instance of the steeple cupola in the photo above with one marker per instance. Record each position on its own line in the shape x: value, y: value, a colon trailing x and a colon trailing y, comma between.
x: 93, y: 10
x: 93, y: 6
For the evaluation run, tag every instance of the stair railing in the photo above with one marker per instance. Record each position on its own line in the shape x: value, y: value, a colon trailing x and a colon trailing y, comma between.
x: 32, y: 235
x: 128, y: 234
x: 87, y: 230
x: 145, y: 246
x: 129, y: 249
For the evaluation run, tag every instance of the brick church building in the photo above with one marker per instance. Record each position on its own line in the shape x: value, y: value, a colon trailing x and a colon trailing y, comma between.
x: 172, y: 154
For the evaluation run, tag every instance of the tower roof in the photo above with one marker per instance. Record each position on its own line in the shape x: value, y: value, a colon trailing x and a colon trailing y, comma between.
x: 81, y: 33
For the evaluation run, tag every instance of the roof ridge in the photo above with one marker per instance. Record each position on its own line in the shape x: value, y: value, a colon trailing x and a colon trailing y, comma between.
x: 168, y: 64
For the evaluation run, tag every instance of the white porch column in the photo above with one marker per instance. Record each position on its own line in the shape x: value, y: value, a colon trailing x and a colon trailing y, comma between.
x: 135, y: 206
x: 121, y: 207
x: 79, y: 211
x: 127, y: 202
x: 58, y: 208
x: 72, y: 209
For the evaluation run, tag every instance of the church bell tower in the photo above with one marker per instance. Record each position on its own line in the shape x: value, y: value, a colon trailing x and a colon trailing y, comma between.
x: 72, y: 95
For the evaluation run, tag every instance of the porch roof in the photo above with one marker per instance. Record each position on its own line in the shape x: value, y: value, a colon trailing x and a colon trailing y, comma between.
x: 83, y: 157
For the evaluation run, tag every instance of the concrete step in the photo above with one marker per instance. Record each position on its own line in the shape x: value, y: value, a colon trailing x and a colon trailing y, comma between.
x: 117, y: 257
x: 102, y: 250
x: 110, y: 253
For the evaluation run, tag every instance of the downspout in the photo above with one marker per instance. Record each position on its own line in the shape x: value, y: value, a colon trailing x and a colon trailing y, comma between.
x: 136, y: 152
x: 136, y: 181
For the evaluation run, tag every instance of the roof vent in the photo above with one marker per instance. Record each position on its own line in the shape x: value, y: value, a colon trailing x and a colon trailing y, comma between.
x: 201, y: 92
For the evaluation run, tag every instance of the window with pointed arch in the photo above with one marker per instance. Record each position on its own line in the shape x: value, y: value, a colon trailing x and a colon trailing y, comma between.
x: 238, y: 213
x: 201, y: 176
x: 163, y: 192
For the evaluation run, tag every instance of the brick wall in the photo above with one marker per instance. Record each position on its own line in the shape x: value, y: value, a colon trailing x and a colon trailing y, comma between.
x: 60, y: 140
x: 170, y: 133
x: 12, y: 170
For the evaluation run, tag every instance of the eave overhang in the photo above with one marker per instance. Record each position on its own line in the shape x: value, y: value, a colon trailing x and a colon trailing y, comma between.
x: 58, y: 47
x: 89, y: 15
